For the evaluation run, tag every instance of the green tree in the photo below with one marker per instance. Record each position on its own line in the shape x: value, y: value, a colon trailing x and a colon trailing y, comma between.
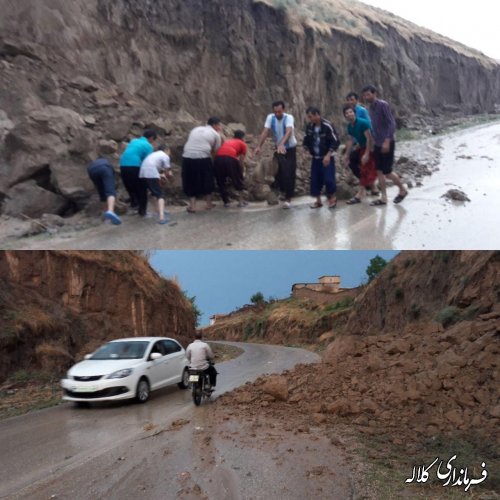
x: 375, y: 267
x: 196, y: 311
x: 257, y: 298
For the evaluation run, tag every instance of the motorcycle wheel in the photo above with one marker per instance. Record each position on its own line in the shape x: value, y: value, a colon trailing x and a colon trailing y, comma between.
x: 197, y: 395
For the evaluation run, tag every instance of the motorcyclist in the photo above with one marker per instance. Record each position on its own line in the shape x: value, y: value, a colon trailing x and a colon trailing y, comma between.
x: 201, y: 357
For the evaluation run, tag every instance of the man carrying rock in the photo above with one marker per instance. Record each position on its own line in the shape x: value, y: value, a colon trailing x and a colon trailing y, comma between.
x: 281, y: 125
x: 384, y: 129
x: 197, y: 164
x: 321, y: 140
x: 229, y: 164
x: 102, y: 174
x: 130, y: 165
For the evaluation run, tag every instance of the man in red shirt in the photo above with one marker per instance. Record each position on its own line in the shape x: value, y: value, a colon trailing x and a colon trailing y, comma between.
x: 229, y: 163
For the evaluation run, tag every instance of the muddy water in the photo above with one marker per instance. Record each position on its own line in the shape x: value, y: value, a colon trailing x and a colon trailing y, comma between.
x: 57, y: 451
x: 470, y: 161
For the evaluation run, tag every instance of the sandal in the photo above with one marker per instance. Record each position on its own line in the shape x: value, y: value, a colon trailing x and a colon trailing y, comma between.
x: 354, y: 201
x: 332, y: 205
x: 316, y: 205
x: 378, y: 203
x: 190, y: 210
x: 400, y: 197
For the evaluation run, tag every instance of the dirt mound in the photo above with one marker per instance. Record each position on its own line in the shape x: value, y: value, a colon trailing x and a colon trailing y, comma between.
x: 389, y: 374
x: 57, y: 306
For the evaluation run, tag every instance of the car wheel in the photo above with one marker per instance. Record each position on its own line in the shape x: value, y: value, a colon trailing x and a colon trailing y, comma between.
x: 184, y: 383
x: 142, y: 392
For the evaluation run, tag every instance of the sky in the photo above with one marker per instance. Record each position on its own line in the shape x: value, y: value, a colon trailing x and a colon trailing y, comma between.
x: 474, y: 24
x: 223, y: 281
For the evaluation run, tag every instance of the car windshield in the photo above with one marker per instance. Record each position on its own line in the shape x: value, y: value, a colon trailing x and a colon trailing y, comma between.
x: 121, y: 350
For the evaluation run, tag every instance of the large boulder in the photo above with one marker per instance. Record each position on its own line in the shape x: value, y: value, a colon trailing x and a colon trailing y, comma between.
x: 277, y: 387
x: 70, y: 178
x: 30, y: 199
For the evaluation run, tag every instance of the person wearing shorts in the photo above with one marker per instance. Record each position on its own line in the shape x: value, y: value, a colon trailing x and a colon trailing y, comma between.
x: 197, y: 164
x: 154, y: 168
x: 229, y: 164
x: 102, y: 174
x: 359, y: 152
x: 384, y: 129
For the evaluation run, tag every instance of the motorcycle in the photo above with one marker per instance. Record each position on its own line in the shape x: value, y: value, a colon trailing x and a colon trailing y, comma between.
x: 200, y: 385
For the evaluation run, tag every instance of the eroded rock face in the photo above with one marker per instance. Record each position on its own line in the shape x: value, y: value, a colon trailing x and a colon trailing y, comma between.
x: 58, y: 306
x: 77, y: 75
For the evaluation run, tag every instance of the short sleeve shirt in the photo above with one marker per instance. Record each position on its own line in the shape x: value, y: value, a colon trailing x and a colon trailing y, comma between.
x: 358, y: 131
x: 233, y: 148
x: 154, y: 164
x: 278, y: 128
x: 202, y: 142
x: 135, y: 153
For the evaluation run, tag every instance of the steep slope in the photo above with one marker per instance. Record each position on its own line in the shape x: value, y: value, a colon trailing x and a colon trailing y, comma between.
x: 406, y: 380
x: 57, y: 306
x: 82, y: 77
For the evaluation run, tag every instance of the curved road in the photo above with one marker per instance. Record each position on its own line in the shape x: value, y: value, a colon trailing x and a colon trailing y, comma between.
x: 58, y: 444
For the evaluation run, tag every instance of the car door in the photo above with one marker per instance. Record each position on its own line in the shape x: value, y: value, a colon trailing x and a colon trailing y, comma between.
x: 176, y: 360
x: 158, y: 368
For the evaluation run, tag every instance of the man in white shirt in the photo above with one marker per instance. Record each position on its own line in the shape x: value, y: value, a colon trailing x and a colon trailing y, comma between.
x: 281, y: 126
x: 197, y: 165
x: 157, y: 166
x: 199, y: 354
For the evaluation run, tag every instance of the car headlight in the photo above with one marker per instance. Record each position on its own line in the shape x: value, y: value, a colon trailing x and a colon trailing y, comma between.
x: 121, y: 373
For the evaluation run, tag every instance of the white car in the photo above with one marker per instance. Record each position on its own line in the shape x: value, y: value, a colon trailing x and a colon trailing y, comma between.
x: 127, y: 368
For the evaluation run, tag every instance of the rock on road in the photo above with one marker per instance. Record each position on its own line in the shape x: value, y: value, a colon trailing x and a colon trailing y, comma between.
x: 116, y: 450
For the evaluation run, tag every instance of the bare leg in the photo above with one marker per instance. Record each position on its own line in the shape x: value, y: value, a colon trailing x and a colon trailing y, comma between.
x: 111, y: 203
x: 383, y: 186
x: 161, y: 208
x: 192, y: 204
x: 397, y: 181
x: 209, y: 202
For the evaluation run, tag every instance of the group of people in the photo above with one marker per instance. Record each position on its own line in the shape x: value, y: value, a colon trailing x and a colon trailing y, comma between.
x: 207, y: 160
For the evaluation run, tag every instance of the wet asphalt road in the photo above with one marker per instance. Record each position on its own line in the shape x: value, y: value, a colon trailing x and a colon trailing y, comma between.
x: 55, y: 448
x: 470, y: 161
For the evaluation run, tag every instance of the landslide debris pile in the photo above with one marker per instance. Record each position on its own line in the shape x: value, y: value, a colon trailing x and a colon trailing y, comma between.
x: 392, y: 373
x: 57, y: 306
x: 81, y: 78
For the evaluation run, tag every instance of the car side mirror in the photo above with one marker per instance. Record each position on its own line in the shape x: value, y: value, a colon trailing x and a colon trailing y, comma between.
x: 87, y: 356
x: 155, y: 355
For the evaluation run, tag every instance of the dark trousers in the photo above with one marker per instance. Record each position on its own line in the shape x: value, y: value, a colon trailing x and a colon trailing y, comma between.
x: 136, y: 188
x: 212, y: 373
x: 355, y: 162
x: 323, y: 176
x: 287, y: 171
x: 227, y: 167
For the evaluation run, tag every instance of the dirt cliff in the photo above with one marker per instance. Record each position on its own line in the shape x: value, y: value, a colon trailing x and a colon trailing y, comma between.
x: 416, y: 363
x: 80, y: 78
x: 57, y: 306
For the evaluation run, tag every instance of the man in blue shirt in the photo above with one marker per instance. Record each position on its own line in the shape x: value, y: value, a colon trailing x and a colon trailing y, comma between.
x: 130, y: 166
x: 361, y: 112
